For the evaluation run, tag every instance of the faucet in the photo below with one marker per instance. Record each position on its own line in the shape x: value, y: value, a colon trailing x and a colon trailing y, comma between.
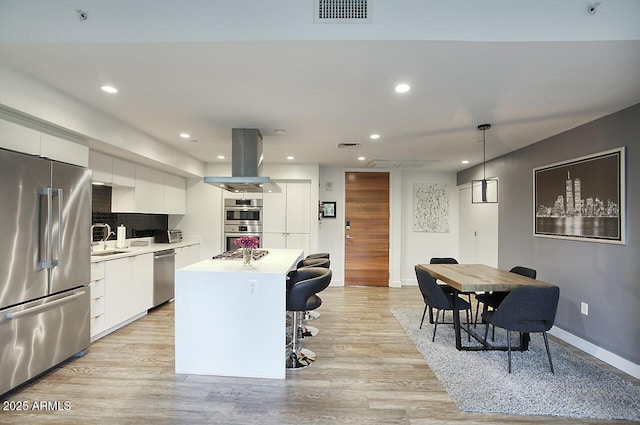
x: 104, y: 239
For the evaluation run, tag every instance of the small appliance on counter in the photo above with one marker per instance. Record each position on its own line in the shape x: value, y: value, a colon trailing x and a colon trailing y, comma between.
x: 168, y: 236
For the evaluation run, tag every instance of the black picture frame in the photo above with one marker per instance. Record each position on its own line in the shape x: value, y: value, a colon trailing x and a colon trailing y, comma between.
x: 328, y: 209
x: 582, y: 198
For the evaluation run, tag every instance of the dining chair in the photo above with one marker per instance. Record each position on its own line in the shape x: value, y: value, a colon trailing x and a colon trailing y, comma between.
x: 435, y: 297
x: 493, y: 299
x: 529, y: 309
x: 445, y: 287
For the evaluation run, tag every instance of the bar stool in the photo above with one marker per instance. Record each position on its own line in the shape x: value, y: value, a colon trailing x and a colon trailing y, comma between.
x: 302, y: 296
x: 316, y: 260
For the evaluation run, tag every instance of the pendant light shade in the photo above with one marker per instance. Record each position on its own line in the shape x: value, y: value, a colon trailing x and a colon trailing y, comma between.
x: 485, y: 190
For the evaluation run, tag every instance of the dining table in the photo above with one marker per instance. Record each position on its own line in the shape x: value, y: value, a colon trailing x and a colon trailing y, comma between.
x: 471, y: 278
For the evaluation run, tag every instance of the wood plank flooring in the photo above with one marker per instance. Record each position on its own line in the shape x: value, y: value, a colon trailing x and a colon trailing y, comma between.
x: 368, y: 372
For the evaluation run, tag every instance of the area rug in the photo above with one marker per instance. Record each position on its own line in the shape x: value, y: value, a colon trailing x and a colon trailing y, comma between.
x: 479, y: 382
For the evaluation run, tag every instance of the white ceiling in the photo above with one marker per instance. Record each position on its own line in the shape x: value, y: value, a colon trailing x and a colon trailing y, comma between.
x: 324, y: 92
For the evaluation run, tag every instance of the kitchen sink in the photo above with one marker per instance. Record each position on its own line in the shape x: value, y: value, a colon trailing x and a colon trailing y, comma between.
x: 105, y: 253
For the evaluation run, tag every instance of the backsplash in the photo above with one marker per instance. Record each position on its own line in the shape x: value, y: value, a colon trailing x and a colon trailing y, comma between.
x: 138, y: 225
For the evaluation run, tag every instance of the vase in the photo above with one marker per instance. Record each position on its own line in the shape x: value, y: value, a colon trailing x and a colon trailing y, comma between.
x: 247, y: 254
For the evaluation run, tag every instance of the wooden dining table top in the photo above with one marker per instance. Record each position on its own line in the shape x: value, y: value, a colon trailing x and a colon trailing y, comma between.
x: 478, y: 277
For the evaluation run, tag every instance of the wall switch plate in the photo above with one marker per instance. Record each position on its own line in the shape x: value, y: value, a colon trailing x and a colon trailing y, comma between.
x: 584, y: 308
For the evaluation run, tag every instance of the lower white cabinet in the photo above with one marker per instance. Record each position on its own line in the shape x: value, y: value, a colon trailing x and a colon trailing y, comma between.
x: 96, y: 290
x: 187, y: 255
x: 128, y: 288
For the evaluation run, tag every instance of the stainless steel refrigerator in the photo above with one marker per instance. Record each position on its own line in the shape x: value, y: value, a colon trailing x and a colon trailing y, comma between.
x: 45, y: 265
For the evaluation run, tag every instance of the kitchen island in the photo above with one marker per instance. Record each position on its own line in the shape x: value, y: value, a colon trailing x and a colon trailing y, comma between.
x: 230, y: 319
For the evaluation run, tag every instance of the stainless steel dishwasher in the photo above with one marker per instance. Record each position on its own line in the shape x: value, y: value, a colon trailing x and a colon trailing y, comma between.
x: 163, y: 276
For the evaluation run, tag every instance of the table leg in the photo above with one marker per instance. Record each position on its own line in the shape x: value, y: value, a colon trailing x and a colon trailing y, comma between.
x: 456, y: 320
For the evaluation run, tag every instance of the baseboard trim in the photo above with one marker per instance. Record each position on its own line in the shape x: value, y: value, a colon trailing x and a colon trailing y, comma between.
x: 613, y: 359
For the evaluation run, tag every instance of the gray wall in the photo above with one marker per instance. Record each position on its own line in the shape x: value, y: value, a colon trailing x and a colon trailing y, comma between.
x: 606, y: 276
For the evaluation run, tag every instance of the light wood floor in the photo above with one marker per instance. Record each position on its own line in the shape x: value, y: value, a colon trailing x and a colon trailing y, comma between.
x: 368, y: 372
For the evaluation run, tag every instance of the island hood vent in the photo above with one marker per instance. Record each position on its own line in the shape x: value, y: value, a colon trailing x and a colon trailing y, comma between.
x: 246, y: 164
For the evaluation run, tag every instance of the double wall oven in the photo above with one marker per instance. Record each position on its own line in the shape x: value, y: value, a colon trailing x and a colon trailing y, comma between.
x: 242, y: 217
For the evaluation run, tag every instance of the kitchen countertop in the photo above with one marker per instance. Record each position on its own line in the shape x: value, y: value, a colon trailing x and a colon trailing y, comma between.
x: 130, y: 251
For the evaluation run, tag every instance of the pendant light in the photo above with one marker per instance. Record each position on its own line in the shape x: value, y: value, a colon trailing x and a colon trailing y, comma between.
x: 486, y: 196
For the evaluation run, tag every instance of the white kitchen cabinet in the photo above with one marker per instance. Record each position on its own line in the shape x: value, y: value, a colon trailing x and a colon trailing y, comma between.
x: 64, y: 150
x: 149, y: 192
x: 124, y: 173
x: 33, y: 142
x: 101, y: 166
x: 18, y: 138
x: 128, y: 288
x: 187, y: 255
x: 287, y: 216
x: 96, y: 290
x: 175, y: 194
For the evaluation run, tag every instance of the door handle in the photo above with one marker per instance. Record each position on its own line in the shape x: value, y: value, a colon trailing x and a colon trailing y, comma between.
x: 349, y: 237
x: 58, y: 194
x: 46, y: 247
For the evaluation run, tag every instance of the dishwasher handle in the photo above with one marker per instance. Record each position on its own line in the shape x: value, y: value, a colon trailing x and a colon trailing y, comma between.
x: 164, y: 255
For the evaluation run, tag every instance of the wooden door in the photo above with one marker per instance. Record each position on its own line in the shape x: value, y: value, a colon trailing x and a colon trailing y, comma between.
x: 367, y: 239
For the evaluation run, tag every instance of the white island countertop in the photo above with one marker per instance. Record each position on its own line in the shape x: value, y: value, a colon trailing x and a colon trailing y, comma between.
x: 230, y: 320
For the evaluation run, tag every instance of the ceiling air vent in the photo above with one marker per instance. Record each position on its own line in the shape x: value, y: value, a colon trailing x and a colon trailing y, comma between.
x: 348, y: 145
x: 404, y: 164
x: 342, y: 12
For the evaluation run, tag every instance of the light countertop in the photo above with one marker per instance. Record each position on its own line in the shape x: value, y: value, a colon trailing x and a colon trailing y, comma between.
x: 276, y: 261
x: 130, y: 251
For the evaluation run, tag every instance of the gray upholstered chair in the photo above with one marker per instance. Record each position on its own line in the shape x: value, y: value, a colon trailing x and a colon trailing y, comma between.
x: 526, y: 309
x: 435, y: 297
x: 493, y: 299
x: 445, y: 287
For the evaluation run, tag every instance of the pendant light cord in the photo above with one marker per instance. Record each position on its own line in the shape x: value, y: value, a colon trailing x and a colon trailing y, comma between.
x: 484, y: 156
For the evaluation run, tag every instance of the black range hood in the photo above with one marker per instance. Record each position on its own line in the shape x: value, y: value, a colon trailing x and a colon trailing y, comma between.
x: 246, y: 164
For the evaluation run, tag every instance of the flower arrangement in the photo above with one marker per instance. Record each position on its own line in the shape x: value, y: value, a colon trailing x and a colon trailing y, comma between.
x: 247, y: 242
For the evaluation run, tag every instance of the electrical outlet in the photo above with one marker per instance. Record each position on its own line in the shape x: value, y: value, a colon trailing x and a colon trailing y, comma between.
x: 584, y: 308
x: 252, y: 286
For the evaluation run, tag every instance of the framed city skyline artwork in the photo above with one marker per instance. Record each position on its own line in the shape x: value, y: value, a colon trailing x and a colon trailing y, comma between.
x: 581, y: 199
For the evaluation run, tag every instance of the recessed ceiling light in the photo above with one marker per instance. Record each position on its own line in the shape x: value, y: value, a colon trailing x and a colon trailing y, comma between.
x: 374, y: 136
x: 185, y: 135
x: 109, y: 89
x: 465, y: 162
x: 361, y: 158
x: 194, y: 141
x: 220, y: 156
x: 402, y: 88
x: 290, y: 157
x: 280, y: 131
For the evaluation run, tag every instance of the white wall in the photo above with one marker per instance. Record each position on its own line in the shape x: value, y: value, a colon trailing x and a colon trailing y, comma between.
x: 407, y: 248
x: 419, y: 247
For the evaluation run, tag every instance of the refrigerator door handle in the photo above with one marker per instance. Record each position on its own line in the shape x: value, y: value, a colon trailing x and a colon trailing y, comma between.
x: 46, y: 263
x: 42, y: 307
x: 58, y: 194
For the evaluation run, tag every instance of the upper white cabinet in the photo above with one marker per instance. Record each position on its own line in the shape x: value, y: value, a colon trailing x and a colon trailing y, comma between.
x: 101, y: 167
x: 23, y: 139
x: 19, y: 138
x: 175, y: 194
x: 111, y: 171
x: 124, y: 173
x: 63, y: 150
x: 287, y: 216
x: 149, y: 193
